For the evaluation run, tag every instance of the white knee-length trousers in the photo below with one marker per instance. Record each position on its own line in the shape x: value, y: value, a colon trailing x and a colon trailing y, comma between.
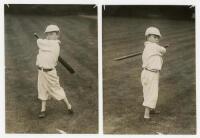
x: 150, y: 82
x: 49, y: 86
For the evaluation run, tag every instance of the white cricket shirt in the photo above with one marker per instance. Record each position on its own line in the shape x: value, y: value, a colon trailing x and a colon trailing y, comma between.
x: 48, y: 53
x: 152, y: 56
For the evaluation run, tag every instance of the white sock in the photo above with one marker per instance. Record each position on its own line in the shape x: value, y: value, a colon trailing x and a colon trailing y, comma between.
x: 147, y: 112
x: 43, y: 106
x: 67, y: 103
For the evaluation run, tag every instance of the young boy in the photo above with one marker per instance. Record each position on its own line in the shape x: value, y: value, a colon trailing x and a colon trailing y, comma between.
x: 48, y: 81
x: 152, y: 64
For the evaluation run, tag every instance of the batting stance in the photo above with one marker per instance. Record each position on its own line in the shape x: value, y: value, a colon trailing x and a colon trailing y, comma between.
x: 48, y: 80
x: 152, y: 64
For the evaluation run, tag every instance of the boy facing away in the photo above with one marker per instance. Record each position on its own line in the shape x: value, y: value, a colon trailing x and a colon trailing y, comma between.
x: 152, y: 65
x: 48, y: 80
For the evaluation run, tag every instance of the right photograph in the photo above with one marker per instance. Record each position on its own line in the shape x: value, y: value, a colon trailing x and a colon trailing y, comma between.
x: 149, y: 74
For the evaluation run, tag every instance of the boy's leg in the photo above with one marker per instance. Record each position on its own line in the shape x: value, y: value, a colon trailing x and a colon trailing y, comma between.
x: 42, y: 113
x: 150, y: 88
x: 145, y: 84
x: 55, y: 90
x: 67, y: 103
x: 42, y: 93
x: 70, y: 110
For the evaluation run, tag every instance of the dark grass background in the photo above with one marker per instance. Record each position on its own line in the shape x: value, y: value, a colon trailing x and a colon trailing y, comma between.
x: 79, y: 49
x: 124, y: 34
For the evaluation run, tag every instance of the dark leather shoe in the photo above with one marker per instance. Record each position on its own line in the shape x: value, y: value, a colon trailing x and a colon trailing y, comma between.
x: 154, y: 112
x: 42, y: 114
x: 70, y: 111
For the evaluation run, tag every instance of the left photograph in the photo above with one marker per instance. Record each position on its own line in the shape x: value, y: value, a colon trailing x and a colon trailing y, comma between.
x: 51, y: 69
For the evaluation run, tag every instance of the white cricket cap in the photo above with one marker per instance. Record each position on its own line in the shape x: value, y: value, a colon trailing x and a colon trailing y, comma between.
x: 152, y: 30
x: 52, y: 28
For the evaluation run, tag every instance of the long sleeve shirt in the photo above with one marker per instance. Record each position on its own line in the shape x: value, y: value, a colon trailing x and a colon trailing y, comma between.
x: 152, y: 56
x: 49, y: 51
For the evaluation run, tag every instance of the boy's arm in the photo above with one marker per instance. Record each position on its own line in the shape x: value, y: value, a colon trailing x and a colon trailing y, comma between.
x: 161, y: 49
x: 46, y: 45
x: 42, y: 45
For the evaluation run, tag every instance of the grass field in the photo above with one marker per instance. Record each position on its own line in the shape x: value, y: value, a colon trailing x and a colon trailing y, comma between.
x: 79, y: 49
x: 123, y: 111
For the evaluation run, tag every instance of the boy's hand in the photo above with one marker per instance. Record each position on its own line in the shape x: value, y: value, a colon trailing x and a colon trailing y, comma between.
x: 59, y: 42
x: 166, y: 45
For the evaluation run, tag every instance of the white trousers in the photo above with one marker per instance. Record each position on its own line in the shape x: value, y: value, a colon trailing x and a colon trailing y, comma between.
x: 49, y: 86
x: 150, y: 82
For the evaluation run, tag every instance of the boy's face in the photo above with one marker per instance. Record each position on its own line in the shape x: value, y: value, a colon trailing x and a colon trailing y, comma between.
x: 153, y: 38
x: 53, y: 35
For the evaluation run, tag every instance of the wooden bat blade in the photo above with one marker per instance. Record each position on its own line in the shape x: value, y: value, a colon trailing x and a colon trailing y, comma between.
x: 66, y: 65
x: 134, y: 54
x: 128, y: 56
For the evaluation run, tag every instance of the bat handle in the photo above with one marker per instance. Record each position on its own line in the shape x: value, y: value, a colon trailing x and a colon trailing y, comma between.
x: 35, y: 34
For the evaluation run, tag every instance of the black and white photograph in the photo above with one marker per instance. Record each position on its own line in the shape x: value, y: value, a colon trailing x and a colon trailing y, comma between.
x: 149, y: 83
x: 51, y: 69
x: 99, y: 68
